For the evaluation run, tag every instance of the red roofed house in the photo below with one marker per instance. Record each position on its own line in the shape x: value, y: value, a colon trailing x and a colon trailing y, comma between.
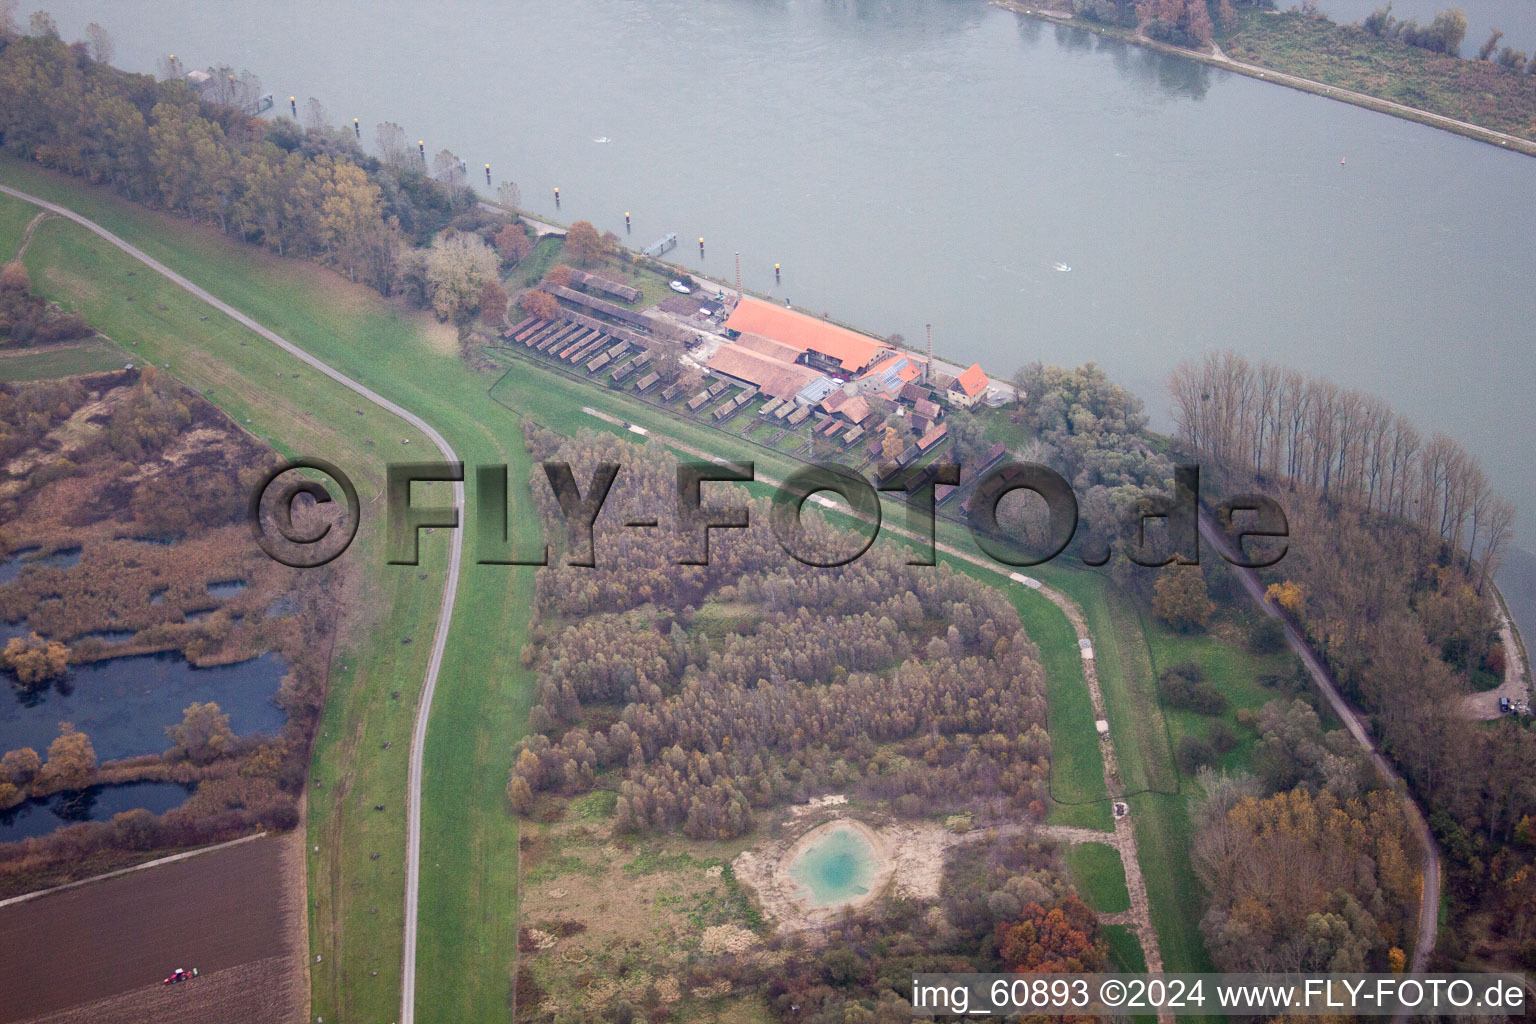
x: 968, y: 387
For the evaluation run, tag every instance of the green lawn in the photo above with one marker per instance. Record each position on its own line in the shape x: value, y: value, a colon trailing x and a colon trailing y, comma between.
x: 64, y: 360
x: 1124, y: 948
x: 1099, y: 877
x: 14, y: 217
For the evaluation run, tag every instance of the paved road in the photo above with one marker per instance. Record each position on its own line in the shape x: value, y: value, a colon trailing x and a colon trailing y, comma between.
x: 450, y: 588
x: 1429, y: 903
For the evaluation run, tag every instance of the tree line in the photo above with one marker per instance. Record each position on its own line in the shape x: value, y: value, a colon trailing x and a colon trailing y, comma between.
x: 1392, y: 538
x: 307, y: 191
x: 1286, y: 429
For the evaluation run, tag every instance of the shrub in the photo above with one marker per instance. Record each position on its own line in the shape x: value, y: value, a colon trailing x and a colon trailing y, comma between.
x: 1184, y: 686
x: 1267, y: 637
x: 1193, y: 753
x: 1223, y: 737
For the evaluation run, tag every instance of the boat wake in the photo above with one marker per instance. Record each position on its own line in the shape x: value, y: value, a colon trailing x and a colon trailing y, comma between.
x: 1061, y: 267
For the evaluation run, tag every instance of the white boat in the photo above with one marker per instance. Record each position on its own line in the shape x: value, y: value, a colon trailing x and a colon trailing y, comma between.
x: 681, y: 288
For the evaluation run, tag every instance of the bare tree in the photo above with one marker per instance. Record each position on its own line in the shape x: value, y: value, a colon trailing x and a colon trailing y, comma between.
x: 446, y: 166
x: 98, y: 42
x: 315, y: 116
x: 8, y: 18
x: 1501, y: 521
x: 510, y: 194
x: 394, y: 148
x: 168, y: 67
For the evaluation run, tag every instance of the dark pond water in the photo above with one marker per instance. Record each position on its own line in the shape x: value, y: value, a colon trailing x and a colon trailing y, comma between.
x: 125, y: 704
x: 99, y: 803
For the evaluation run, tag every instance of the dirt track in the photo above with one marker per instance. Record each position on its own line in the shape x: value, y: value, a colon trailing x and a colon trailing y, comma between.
x: 99, y: 952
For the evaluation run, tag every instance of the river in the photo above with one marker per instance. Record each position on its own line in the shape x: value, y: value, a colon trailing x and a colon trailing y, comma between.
x: 933, y: 160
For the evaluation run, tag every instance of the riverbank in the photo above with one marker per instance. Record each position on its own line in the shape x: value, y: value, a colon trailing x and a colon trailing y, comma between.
x: 1340, y: 62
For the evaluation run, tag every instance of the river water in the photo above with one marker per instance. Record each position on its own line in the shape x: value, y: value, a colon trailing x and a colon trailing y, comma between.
x: 1517, y: 18
x: 934, y: 160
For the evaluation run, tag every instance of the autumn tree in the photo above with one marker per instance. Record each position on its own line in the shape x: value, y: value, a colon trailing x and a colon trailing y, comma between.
x: 493, y: 303
x: 34, y: 660
x: 512, y: 244
x: 457, y: 271
x: 1180, y: 598
x: 19, y: 767
x: 203, y: 735
x: 71, y: 761
x: 1306, y: 883
x: 584, y: 243
x: 539, y: 305
x: 892, y: 445
x: 1063, y: 939
x: 1286, y: 595
x: 559, y: 274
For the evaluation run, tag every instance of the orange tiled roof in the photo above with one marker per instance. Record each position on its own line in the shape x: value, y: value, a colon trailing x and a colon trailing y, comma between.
x: 972, y: 381
x: 806, y: 333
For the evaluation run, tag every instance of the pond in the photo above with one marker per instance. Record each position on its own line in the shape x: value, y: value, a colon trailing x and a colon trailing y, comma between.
x: 124, y: 704
x: 836, y: 869
x: 27, y: 558
x: 98, y: 803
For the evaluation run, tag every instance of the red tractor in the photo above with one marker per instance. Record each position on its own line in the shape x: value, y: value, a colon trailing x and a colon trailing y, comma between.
x: 179, y: 974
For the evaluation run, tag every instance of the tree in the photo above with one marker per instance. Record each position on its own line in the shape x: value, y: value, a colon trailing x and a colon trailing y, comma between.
x: 1180, y: 599
x: 1512, y: 59
x: 520, y: 795
x: 457, y: 269
x: 394, y: 148
x: 71, y: 761
x: 539, y: 305
x: 584, y: 242
x: 20, y: 767
x: 509, y: 194
x: 559, y: 274
x: 493, y: 303
x: 512, y: 244
x: 99, y: 43
x: 1485, y: 51
x: 42, y: 25
x: 1060, y: 940
x: 13, y: 277
x: 445, y: 165
x: 203, y: 736
x: 35, y: 660
x: 1287, y: 595
x: 891, y: 446
x: 315, y: 116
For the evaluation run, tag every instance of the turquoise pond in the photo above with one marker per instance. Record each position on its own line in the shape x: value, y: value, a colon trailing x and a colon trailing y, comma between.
x: 836, y: 869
